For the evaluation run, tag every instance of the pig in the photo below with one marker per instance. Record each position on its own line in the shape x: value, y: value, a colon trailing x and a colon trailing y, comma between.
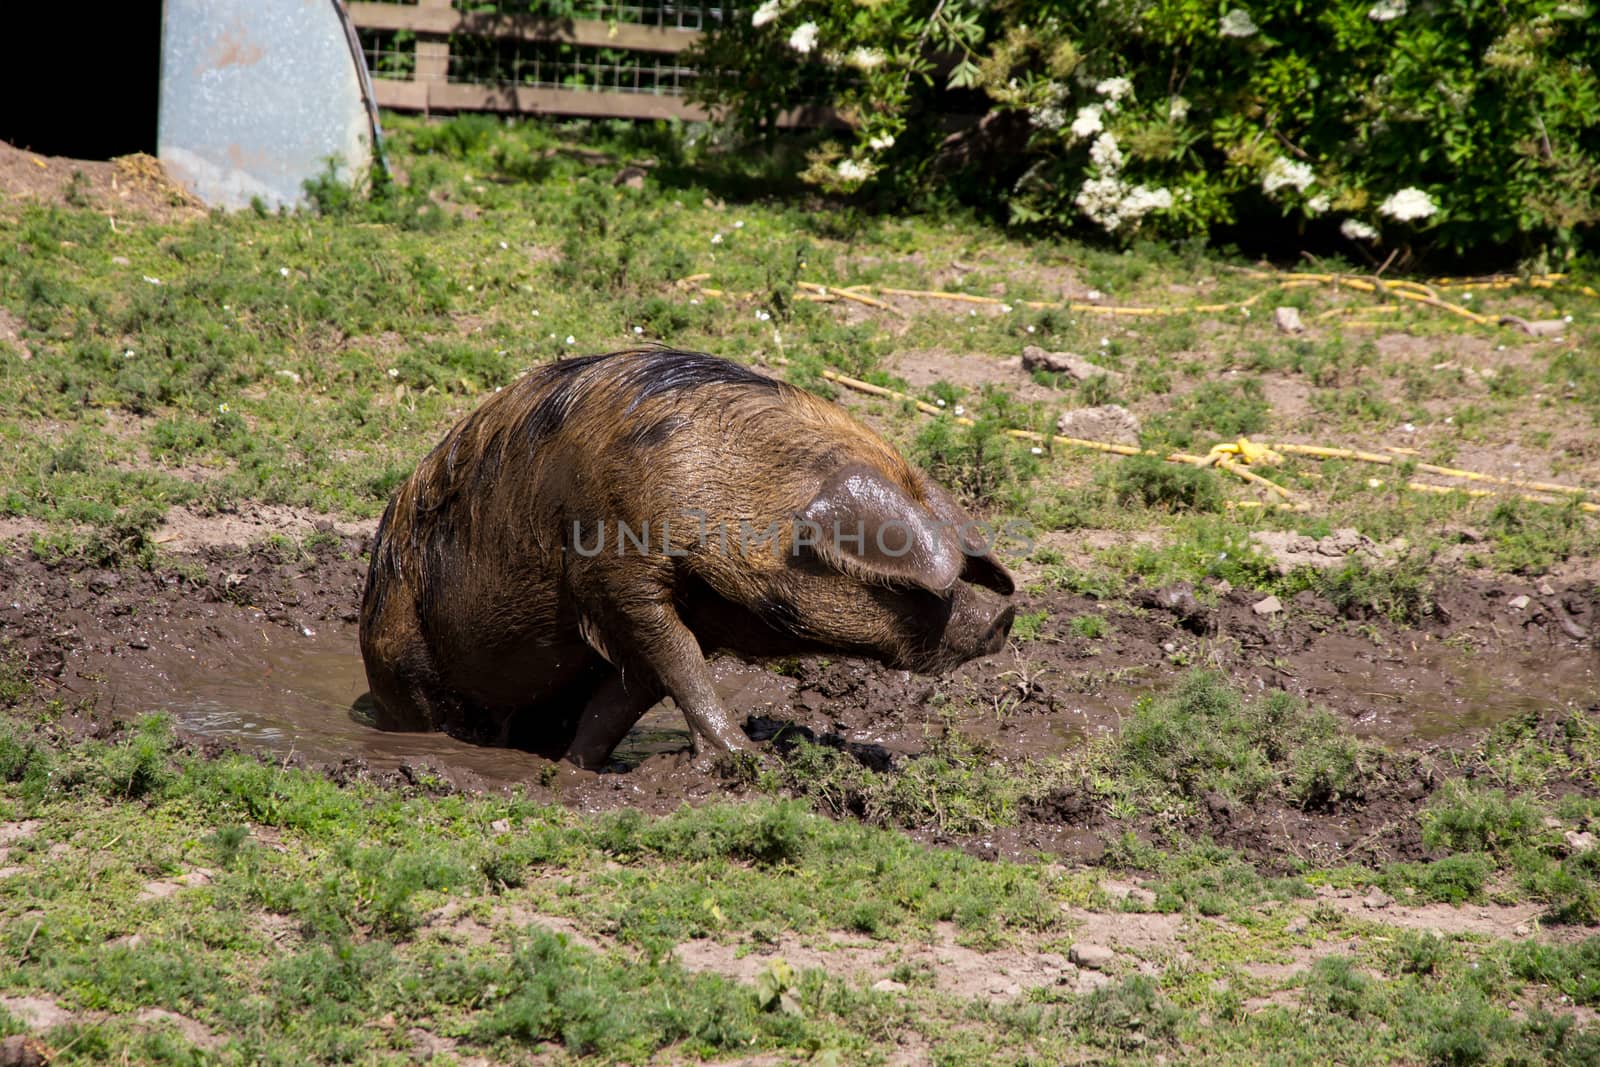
x: 571, y: 550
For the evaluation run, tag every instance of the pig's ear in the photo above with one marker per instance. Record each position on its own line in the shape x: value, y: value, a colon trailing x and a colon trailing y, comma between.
x: 980, y: 566
x: 866, y: 526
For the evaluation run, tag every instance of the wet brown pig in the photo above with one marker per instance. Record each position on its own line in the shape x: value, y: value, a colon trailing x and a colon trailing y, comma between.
x: 571, y: 550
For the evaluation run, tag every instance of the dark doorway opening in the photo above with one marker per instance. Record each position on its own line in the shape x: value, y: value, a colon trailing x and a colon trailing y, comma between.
x: 82, y: 82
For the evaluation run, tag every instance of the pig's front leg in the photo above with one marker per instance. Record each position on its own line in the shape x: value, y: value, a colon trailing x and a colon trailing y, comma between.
x: 641, y: 633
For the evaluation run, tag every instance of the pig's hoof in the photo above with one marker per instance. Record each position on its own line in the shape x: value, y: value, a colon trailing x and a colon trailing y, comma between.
x: 743, y: 764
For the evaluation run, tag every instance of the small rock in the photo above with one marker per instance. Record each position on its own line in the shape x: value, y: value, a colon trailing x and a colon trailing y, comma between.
x: 1544, y: 588
x: 1536, y: 327
x: 888, y: 985
x: 1287, y: 320
x: 291, y: 375
x: 12, y: 872
x: 1270, y: 606
x: 1579, y: 841
x: 1223, y: 587
x: 1377, y: 900
x: 630, y: 177
x: 1298, y: 925
x: 1517, y: 603
x: 1169, y: 647
x: 1075, y: 366
x: 1522, y: 930
x: 1112, y: 423
x: 1093, y: 957
x: 1551, y: 822
x: 501, y: 826
x: 122, y: 261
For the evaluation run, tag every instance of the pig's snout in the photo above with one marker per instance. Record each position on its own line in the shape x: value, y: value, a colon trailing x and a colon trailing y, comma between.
x: 999, y: 630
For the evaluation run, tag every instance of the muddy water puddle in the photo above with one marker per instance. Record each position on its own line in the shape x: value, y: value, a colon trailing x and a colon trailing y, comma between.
x: 297, y: 694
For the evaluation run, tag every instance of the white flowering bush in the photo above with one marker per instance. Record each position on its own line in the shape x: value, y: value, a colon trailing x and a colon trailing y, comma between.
x: 1378, y: 123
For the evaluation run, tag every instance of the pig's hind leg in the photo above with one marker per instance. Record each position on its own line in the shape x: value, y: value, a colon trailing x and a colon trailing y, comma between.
x: 606, y: 719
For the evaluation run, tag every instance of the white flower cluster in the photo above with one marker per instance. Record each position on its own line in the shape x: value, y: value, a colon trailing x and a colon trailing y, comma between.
x: 881, y: 142
x: 1048, y: 117
x: 1106, y: 154
x: 851, y: 171
x: 804, y: 38
x: 1387, y: 10
x: 1407, y: 205
x: 1110, y: 203
x: 1114, y: 89
x: 1238, y: 23
x: 1284, y: 172
x: 1177, y: 109
x: 766, y: 13
x: 1088, y: 122
x: 1357, y: 230
x: 864, y: 58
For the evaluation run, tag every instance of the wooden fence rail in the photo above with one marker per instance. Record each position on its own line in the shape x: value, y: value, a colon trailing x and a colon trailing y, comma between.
x: 430, y: 88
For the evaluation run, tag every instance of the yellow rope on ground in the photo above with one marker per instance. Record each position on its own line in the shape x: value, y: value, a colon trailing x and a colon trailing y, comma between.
x: 1425, y: 293
x: 1320, y: 452
x: 1232, y: 456
x: 1218, y: 456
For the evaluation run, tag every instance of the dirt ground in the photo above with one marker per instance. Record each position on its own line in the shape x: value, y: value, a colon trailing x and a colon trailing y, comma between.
x: 254, y: 648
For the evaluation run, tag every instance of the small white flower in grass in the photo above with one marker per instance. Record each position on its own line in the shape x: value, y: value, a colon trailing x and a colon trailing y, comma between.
x: 152, y: 281
x: 1356, y: 230
x: 972, y: 313
x: 308, y: 631
x: 535, y: 312
x: 1408, y: 204
x: 1030, y: 329
x: 472, y: 289
x: 1036, y: 450
x: 865, y: 58
x: 1114, y: 88
x: 1177, y: 109
x: 738, y: 224
x: 223, y: 409
x: 1374, y: 483
x: 504, y: 245
x: 716, y: 238
x: 938, y: 401
x: 127, y: 354
x: 1088, y: 122
x: 637, y: 330
x: 1409, y: 428
x: 571, y: 340
x: 1466, y: 297
x: 881, y: 142
x: 960, y: 410
x: 851, y: 171
x: 1105, y: 342
x: 694, y: 300
x: 1237, y: 23
x: 283, y: 271
x: 804, y: 38
x: 1566, y: 318
x: 1386, y: 10
x: 394, y: 372
x: 766, y: 13
x: 1319, y: 204
x: 1005, y: 307
x: 1095, y: 294
x: 1284, y: 172
x: 763, y: 316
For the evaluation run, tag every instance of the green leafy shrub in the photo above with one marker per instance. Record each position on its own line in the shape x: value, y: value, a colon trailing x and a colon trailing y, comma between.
x: 1409, y: 124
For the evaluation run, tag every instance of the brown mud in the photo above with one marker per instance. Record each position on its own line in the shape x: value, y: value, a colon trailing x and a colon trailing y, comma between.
x: 255, y: 650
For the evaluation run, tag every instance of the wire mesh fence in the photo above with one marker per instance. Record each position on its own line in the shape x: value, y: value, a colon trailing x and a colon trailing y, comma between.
x: 558, y: 65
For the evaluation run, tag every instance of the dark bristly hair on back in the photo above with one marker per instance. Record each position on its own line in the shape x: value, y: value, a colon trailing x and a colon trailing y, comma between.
x: 653, y: 372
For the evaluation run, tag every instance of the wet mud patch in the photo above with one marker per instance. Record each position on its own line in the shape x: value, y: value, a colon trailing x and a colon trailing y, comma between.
x: 255, y: 650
